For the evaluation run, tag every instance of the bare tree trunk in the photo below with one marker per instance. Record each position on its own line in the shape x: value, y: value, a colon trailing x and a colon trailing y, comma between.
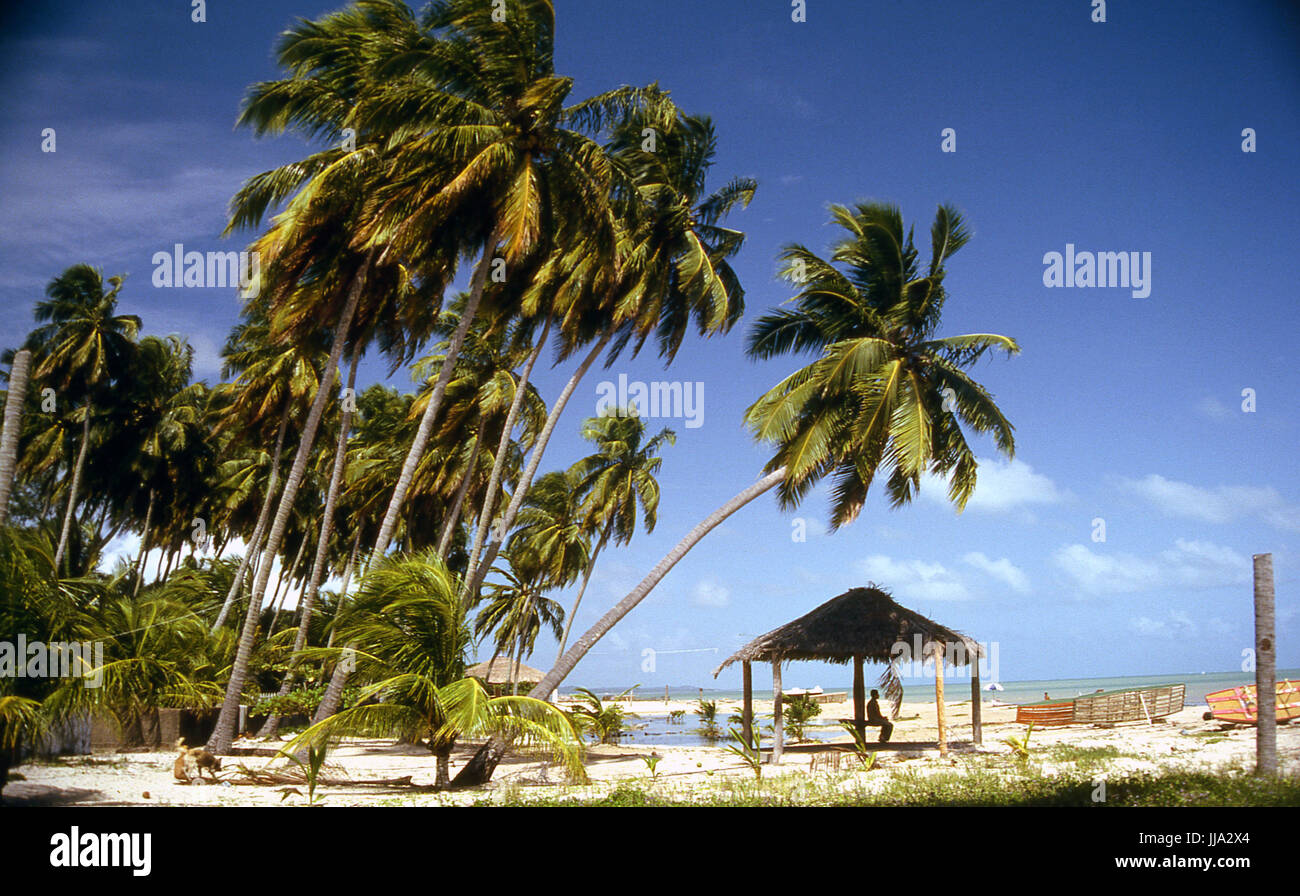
x: 499, y: 462
x: 329, y: 703
x: 291, y: 578
x: 72, y: 492
x: 582, y: 589
x: 1265, y: 668
x: 453, y: 515
x: 272, y: 726
x: 263, y: 517
x: 938, y: 698
x: 224, y: 733
x: 17, y: 393
x: 479, y: 769
x: 416, y: 451
x: 474, y: 578
x: 144, y: 545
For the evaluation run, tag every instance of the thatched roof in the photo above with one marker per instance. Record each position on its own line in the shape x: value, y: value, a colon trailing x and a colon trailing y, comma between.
x: 864, y: 622
x: 501, y: 669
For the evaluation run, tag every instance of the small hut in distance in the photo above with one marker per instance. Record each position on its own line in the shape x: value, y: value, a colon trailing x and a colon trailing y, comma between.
x: 861, y: 624
x: 499, y: 676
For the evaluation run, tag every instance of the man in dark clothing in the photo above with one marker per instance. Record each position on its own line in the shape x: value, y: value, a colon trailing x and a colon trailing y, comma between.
x: 877, y: 719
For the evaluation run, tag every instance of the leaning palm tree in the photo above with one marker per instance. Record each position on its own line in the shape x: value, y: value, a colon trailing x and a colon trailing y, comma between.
x: 487, y: 147
x: 883, y: 390
x: 407, y: 636
x: 672, y: 270
x: 15, y: 395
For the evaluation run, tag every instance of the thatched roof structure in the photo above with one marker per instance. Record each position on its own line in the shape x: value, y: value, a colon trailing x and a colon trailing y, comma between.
x: 500, y: 672
x: 863, y: 622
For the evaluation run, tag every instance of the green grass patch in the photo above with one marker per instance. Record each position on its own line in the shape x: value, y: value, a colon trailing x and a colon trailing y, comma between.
x: 974, y: 788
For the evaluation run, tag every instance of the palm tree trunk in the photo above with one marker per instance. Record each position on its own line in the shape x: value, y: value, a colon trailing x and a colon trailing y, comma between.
x: 499, y: 462
x: 474, y: 579
x: 263, y: 517
x: 453, y: 515
x: 72, y: 492
x: 144, y: 544
x: 514, y: 671
x: 479, y: 769
x: 291, y: 578
x: 329, y: 703
x: 582, y: 589
x: 938, y: 698
x: 272, y: 726
x: 12, y: 423
x: 224, y: 734
x: 416, y: 451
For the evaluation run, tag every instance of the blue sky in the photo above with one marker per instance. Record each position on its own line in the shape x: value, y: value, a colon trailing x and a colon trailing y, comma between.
x: 1116, y: 136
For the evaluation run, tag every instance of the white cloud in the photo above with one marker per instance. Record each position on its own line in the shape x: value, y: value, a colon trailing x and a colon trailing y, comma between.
x: 708, y: 593
x: 1175, y: 625
x: 1191, y: 565
x: 1221, y: 504
x: 1003, y: 570
x: 1214, y: 409
x: 1001, y: 486
x: 913, y: 580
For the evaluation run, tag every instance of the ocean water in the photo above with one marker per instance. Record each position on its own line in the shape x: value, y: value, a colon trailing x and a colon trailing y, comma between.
x: 921, y: 690
x: 650, y: 729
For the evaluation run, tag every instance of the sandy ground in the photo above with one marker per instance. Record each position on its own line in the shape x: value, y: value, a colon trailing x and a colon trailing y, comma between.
x: 116, y: 779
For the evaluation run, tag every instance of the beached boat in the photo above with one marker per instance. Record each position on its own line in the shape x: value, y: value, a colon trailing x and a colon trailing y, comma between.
x: 1132, y: 705
x: 1238, y: 705
x: 1054, y: 712
x: 1106, y: 707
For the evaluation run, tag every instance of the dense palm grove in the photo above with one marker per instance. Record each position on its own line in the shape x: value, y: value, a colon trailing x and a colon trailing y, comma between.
x: 346, y: 549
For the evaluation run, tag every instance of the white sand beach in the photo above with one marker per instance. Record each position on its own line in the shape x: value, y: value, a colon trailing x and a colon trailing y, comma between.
x: 1183, y: 741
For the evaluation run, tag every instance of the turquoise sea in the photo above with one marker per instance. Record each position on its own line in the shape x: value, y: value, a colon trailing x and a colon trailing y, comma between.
x: 921, y: 690
x: 654, y: 729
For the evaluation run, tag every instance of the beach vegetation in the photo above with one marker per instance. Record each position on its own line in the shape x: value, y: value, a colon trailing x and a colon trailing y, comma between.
x: 883, y: 393
x: 708, y: 713
x: 607, y: 722
x: 407, y: 636
x: 750, y: 749
x: 799, y: 711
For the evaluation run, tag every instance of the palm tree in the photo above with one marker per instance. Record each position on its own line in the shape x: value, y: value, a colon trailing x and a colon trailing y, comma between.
x: 614, y: 481
x: 164, y: 434
x: 408, y: 636
x: 155, y: 648
x: 318, y: 268
x: 516, y: 610
x: 14, y: 397
x: 486, y: 137
x: 271, y: 386
x: 883, y: 390
x: 80, y: 348
x: 308, y: 603
x: 673, y: 271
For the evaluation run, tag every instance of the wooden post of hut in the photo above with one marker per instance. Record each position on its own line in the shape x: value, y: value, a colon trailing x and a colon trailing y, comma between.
x: 778, y: 720
x: 938, y: 696
x: 747, y: 711
x: 976, y: 724
x: 1265, y: 669
x: 859, y: 698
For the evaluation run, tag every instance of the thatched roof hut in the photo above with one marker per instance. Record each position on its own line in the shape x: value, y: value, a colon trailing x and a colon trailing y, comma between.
x: 504, y: 671
x: 861, y: 624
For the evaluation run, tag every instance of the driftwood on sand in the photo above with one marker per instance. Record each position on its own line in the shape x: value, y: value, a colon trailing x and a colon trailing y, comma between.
x: 275, y: 777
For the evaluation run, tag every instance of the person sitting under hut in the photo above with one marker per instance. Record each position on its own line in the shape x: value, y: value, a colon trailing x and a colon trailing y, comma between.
x: 876, y: 719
